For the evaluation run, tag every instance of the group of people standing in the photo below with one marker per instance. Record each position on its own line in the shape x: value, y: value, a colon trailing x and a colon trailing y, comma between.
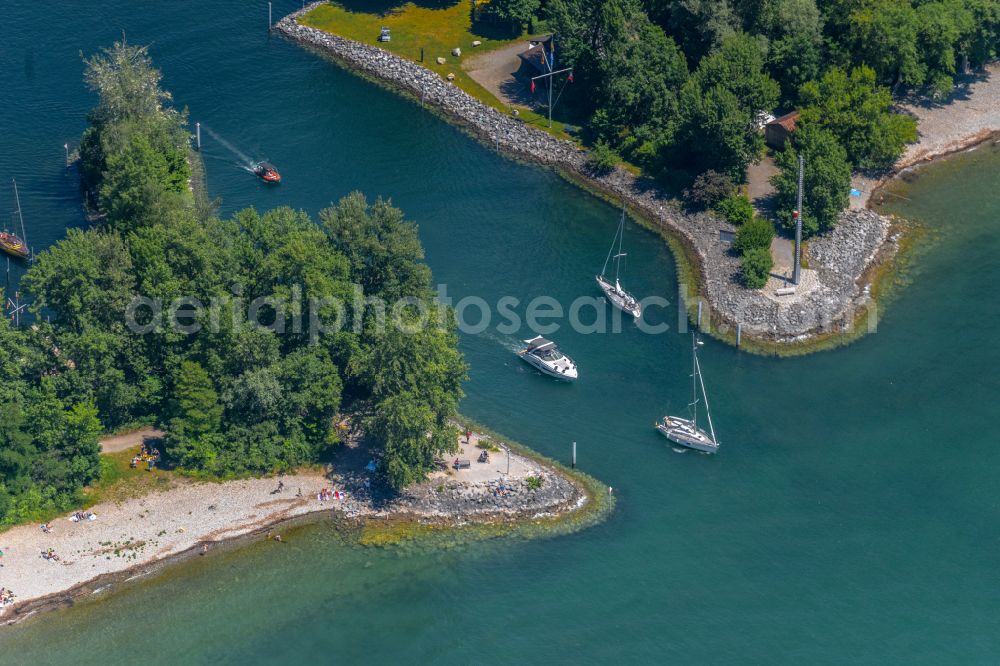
x: 327, y: 494
x: 148, y: 455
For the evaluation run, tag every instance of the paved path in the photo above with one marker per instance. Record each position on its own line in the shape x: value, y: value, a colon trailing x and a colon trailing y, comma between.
x: 759, y: 187
x: 491, y: 471
x: 783, y: 254
x: 494, y: 70
x: 129, y: 440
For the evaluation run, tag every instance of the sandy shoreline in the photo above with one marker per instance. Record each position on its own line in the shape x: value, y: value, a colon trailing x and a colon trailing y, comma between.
x: 132, y: 538
x: 145, y: 530
x: 966, y: 118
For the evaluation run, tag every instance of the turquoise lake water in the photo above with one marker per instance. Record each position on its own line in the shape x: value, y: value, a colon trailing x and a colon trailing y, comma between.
x: 851, y: 514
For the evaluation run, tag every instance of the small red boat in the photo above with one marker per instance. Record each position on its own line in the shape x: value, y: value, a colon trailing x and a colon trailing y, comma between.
x: 13, y: 245
x: 266, y: 172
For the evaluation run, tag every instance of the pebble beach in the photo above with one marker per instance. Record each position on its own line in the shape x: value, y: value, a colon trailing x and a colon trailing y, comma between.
x: 125, y: 538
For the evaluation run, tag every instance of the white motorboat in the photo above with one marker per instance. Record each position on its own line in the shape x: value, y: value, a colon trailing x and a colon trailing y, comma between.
x: 685, y: 432
x: 546, y: 357
x: 620, y: 298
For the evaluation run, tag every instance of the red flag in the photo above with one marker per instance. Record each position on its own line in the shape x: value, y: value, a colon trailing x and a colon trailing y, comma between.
x: 532, y: 85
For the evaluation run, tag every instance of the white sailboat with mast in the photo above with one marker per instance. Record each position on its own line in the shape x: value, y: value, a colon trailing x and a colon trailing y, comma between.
x: 620, y: 298
x: 686, y: 432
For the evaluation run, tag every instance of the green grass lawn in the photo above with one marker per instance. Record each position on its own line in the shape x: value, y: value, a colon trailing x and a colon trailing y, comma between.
x: 435, y: 27
x: 120, y: 482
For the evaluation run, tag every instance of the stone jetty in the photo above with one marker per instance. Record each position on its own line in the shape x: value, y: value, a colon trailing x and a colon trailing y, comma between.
x: 838, y: 261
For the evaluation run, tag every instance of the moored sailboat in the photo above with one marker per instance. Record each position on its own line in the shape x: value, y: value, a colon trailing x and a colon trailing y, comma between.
x: 620, y: 298
x: 10, y: 242
x: 685, y: 432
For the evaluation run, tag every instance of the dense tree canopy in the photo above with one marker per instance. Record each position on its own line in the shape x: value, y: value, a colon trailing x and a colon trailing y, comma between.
x: 676, y: 86
x: 627, y: 72
x: 254, y: 334
x: 133, y: 157
x: 826, y: 180
x: 515, y: 12
x: 721, y: 104
x: 857, y: 111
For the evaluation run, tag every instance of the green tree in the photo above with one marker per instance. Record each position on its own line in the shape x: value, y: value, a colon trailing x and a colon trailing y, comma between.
x: 793, y: 60
x: 700, y: 26
x: 755, y: 267
x: 941, y: 26
x: 883, y: 36
x: 627, y: 73
x: 78, y: 448
x: 708, y: 189
x: 755, y: 234
x: 720, y: 105
x: 736, y: 208
x: 982, y: 37
x: 515, y: 12
x: 86, y: 279
x: 134, y: 155
x: 412, y: 437
x: 638, y: 107
x: 826, y: 179
x: 855, y: 109
x: 126, y: 82
x: 196, y: 418
x: 135, y: 188
x: 383, y: 249
x: 603, y: 158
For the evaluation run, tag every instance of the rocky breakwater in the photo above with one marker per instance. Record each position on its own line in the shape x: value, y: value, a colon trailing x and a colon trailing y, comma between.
x: 544, y: 494
x: 840, y: 259
x: 828, y: 302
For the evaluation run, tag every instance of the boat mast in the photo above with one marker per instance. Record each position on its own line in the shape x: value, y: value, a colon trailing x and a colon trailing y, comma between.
x: 708, y: 412
x: 608, y: 258
x: 694, y: 381
x: 621, y: 236
x: 17, y: 198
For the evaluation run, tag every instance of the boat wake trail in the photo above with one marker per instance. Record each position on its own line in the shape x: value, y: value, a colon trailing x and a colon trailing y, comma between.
x: 247, y: 161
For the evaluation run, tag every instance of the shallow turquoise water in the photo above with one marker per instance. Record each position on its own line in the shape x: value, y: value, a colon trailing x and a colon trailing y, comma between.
x: 851, y: 514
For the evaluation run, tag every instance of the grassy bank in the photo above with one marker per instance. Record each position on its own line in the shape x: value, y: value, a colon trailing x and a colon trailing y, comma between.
x: 435, y: 31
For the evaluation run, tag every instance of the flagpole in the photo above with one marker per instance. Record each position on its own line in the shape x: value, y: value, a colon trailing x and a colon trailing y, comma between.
x: 550, y: 76
x: 551, y: 63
